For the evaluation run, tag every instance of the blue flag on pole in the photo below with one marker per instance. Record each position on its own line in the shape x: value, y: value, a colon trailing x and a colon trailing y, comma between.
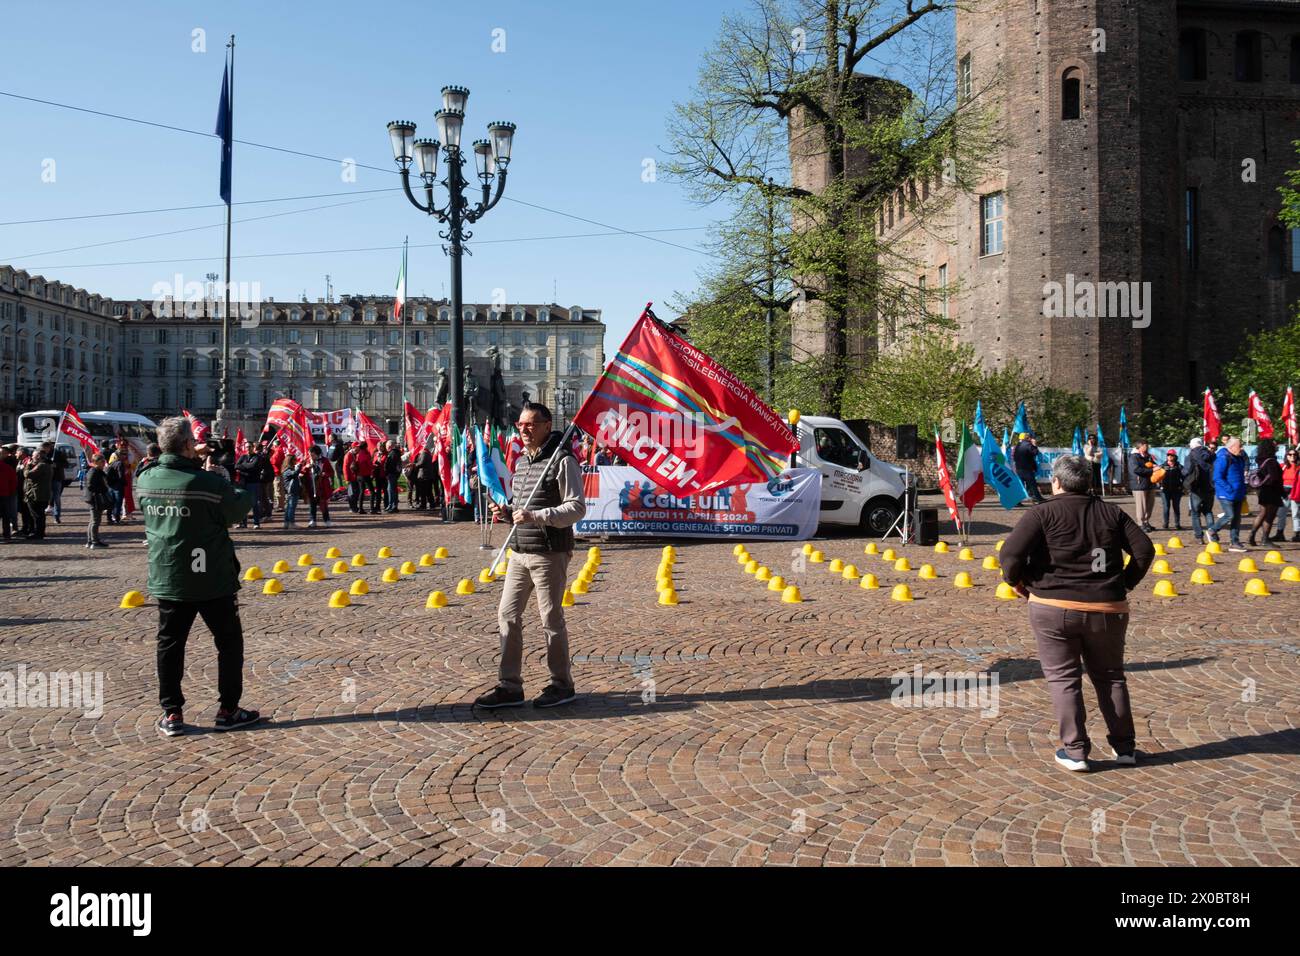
x: 1006, y: 444
x: 1021, y: 426
x: 1010, y: 489
x: 980, y: 427
x: 487, y: 470
x: 1123, y: 431
x: 1077, y: 447
x: 1105, y: 456
x: 226, y: 130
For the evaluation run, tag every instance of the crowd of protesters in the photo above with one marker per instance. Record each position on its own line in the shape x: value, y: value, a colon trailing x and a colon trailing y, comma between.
x: 1210, y: 487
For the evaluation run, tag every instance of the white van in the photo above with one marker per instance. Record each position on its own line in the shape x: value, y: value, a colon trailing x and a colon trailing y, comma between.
x: 857, y: 487
x: 104, y: 427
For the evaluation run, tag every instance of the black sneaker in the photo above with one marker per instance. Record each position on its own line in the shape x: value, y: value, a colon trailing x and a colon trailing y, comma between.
x: 554, y: 697
x: 230, y: 719
x: 171, y: 725
x: 1069, y: 763
x: 1126, y: 760
x: 1238, y: 548
x: 500, y: 697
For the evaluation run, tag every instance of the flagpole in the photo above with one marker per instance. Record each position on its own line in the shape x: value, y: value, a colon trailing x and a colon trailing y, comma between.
x: 405, y: 285
x: 225, y: 313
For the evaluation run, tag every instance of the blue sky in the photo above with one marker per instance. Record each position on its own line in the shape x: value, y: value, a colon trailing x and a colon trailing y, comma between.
x: 590, y: 85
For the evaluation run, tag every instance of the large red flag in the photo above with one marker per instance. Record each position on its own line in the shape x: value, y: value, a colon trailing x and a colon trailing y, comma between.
x: 412, y: 421
x: 945, y: 481
x: 1211, y: 425
x: 680, y: 418
x: 1255, y: 409
x: 1289, y: 418
x: 74, y: 426
x: 241, y: 443
x: 368, y: 431
x: 199, y: 430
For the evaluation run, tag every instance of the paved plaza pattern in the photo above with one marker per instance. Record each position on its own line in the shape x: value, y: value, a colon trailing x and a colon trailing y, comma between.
x: 732, y: 729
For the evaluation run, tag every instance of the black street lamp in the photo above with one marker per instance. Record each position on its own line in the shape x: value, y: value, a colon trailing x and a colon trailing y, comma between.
x: 491, y: 160
x: 568, y: 398
x: 360, y: 390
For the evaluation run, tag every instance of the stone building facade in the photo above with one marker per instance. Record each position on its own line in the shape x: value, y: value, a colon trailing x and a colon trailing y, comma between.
x: 156, y: 357
x: 1142, y: 143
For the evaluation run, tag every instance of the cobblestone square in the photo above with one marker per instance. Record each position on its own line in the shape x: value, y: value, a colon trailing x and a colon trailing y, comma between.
x: 732, y: 729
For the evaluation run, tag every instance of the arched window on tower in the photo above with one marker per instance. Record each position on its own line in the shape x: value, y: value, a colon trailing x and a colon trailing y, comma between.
x: 1248, y: 61
x: 1274, y: 252
x: 1191, y: 54
x: 1071, y: 93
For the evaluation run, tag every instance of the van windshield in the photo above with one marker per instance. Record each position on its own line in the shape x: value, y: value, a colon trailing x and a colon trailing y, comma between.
x: 43, y: 425
x: 836, y: 447
x: 99, y: 428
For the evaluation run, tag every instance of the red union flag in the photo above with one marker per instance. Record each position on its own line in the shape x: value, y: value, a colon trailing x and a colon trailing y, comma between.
x: 199, y: 430
x: 680, y: 418
x: 295, y: 427
x: 241, y: 443
x: 1255, y: 409
x: 945, y: 481
x: 1289, y: 417
x: 74, y: 426
x: 368, y: 431
x: 1211, y: 426
x: 421, y: 427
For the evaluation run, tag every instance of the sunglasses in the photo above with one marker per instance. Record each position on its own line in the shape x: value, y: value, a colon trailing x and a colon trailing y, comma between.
x: 530, y: 424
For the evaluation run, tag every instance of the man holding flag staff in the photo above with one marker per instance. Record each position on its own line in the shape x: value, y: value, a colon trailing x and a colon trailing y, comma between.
x: 548, y: 480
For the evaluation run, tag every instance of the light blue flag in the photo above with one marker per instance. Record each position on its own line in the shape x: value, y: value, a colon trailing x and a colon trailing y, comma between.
x: 1123, y: 431
x: 1010, y: 489
x: 1105, y: 456
x: 1006, y: 444
x: 1077, y: 447
x: 1021, y: 426
x: 487, y: 470
x: 980, y: 427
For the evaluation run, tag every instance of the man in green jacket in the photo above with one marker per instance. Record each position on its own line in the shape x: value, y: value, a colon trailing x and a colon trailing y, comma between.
x: 193, y: 571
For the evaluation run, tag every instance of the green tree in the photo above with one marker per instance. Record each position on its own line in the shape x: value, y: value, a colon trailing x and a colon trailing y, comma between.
x: 788, y: 69
x: 1268, y: 362
x: 929, y: 380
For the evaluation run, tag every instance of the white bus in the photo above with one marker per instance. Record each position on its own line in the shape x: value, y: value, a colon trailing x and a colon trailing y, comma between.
x: 104, y: 427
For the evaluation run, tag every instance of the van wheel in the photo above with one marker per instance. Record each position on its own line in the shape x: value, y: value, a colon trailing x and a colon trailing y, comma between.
x: 879, y: 515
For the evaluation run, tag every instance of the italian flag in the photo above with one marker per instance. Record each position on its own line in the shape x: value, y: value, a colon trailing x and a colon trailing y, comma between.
x: 457, y: 464
x: 399, y: 305
x: 970, y: 472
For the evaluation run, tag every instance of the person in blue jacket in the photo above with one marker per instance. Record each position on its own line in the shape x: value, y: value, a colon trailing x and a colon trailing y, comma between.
x: 1230, y: 489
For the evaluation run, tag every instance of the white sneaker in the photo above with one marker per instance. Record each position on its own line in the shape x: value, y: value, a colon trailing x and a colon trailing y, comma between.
x: 327, y: 522
x: 311, y: 524
x: 1069, y: 763
x: 1126, y: 760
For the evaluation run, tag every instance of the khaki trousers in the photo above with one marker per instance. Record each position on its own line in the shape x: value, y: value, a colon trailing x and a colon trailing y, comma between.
x: 544, y: 573
x: 1143, y: 502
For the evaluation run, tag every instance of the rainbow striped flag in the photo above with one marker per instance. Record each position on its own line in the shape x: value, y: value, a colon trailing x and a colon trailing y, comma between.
x: 681, y: 419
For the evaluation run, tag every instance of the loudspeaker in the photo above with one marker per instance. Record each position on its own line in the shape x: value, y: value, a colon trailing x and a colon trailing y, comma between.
x: 392, y: 426
x: 905, y: 441
x: 927, y: 526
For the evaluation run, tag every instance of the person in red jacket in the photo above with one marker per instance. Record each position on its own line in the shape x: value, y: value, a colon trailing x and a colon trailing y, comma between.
x: 1290, y: 496
x: 316, y: 484
x: 8, y: 493
x: 277, y: 466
